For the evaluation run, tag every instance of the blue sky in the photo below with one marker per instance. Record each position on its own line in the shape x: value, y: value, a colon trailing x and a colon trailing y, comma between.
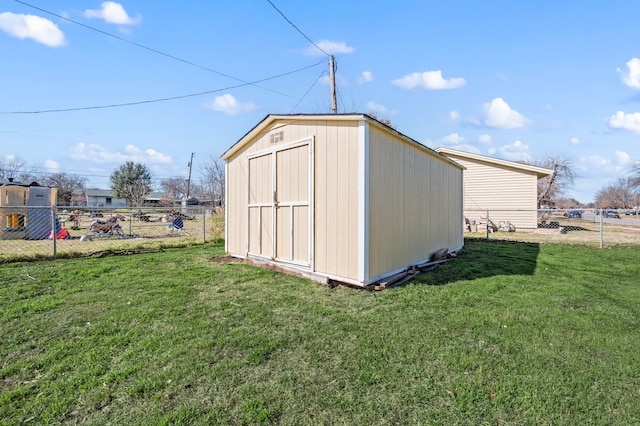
x: 514, y: 80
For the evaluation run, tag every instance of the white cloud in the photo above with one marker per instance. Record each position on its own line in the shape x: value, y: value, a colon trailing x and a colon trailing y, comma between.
x: 329, y: 47
x: 454, y: 116
x: 453, y: 139
x: 229, y: 105
x: 430, y: 80
x: 624, y: 159
x: 629, y: 122
x: 517, y: 151
x: 574, y: 141
x: 51, y: 165
x: 365, y: 77
x: 112, y: 13
x: 34, y: 27
x: 631, y: 77
x: 376, y: 107
x: 499, y: 114
x: 97, y: 154
x: 485, y: 139
x: 340, y: 80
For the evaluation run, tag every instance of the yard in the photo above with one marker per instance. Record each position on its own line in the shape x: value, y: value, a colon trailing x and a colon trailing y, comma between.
x: 508, y: 333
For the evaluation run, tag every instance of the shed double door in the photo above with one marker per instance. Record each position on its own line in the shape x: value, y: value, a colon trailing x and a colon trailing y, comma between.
x: 279, y: 208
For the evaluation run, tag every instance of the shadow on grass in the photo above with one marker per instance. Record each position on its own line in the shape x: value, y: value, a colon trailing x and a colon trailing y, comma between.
x: 569, y: 228
x: 480, y: 258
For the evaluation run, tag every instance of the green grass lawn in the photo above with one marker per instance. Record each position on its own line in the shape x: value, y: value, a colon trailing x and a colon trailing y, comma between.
x: 508, y: 333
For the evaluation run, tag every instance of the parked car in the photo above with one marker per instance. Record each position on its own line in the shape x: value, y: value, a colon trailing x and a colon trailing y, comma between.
x: 632, y: 212
x: 611, y: 213
x: 573, y: 213
x: 96, y: 214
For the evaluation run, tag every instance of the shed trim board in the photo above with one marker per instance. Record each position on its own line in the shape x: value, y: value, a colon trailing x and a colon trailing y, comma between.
x: 363, y: 201
x: 275, y: 205
x: 226, y: 209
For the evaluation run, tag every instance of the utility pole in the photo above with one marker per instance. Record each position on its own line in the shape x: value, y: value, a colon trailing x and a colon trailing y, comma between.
x: 332, y: 78
x: 190, y: 165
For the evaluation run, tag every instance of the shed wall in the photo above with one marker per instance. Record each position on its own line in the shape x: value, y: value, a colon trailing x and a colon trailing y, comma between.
x: 415, y: 204
x: 509, y: 194
x: 335, y: 196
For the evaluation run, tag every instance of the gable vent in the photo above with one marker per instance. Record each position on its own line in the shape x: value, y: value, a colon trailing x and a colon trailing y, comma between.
x: 276, y: 137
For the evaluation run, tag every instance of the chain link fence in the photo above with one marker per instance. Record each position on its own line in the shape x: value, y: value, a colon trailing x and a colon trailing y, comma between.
x: 596, y: 227
x: 51, y: 232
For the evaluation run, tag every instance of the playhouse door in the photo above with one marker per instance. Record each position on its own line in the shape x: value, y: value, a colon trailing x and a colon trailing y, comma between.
x: 261, y: 206
x: 292, y: 207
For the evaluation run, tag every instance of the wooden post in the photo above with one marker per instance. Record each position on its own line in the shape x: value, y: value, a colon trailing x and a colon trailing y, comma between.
x: 332, y: 78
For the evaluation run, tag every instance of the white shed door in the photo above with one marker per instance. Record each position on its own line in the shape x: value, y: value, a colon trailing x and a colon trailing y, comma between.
x: 279, y: 208
x: 260, y: 217
x: 292, y: 205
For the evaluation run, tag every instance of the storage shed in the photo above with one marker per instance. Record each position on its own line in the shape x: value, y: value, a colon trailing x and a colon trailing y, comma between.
x: 339, y: 197
x: 506, y: 189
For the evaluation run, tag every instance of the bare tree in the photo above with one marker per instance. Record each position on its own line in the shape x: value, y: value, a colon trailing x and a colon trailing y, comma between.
x: 621, y: 194
x: 15, y: 168
x: 554, y: 186
x: 212, y: 178
x: 67, y: 185
x: 384, y: 121
x: 174, y: 188
x: 636, y: 174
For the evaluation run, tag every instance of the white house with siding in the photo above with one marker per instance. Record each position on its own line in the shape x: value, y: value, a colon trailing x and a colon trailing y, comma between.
x: 506, y: 189
x: 104, y: 198
x: 339, y: 196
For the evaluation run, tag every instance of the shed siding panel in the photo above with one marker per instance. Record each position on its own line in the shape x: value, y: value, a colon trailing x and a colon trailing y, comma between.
x: 336, y: 201
x: 237, y: 197
x: 500, y: 190
x: 415, y: 204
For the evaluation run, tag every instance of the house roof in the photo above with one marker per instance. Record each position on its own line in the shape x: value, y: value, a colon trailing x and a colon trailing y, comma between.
x: 271, y: 118
x: 98, y: 192
x: 539, y: 171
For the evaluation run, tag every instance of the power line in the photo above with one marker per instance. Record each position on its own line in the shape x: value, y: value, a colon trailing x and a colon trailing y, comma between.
x: 294, y: 26
x: 308, y: 90
x: 172, y: 98
x: 150, y: 48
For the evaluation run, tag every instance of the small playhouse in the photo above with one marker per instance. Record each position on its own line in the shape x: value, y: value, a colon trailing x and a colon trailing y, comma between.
x: 339, y: 197
x: 22, y: 212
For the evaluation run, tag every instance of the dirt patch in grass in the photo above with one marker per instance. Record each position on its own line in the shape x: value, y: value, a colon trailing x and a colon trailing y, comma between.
x: 226, y: 259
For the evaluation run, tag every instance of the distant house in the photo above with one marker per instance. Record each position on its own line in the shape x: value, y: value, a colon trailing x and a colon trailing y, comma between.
x: 156, y: 198
x: 104, y: 198
x: 506, y: 189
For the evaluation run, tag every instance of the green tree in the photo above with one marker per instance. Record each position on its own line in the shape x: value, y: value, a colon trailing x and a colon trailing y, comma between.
x: 131, y: 181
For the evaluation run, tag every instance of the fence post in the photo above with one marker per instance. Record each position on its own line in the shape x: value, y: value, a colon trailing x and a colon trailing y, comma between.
x: 53, y: 230
x: 488, y: 225
x: 601, y: 228
x: 204, y: 224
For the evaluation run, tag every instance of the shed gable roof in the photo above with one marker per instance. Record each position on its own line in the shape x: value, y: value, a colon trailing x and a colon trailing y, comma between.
x: 539, y: 171
x: 270, y: 119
